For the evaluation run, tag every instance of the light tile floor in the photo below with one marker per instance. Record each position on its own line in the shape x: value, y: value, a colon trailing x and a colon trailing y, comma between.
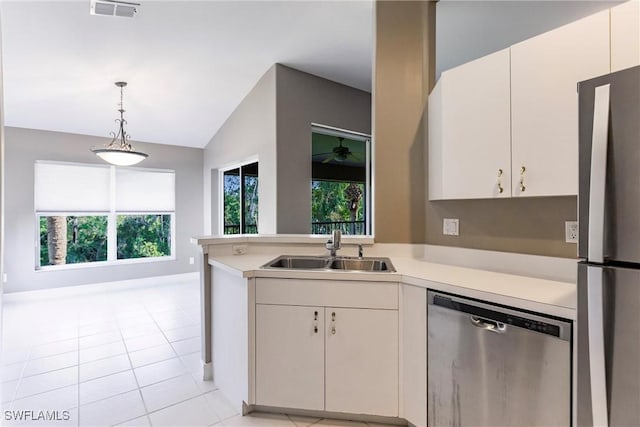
x: 128, y: 357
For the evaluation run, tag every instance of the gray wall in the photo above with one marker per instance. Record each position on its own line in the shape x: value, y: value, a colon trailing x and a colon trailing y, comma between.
x: 303, y: 99
x: 248, y: 134
x: 466, y: 30
x: 273, y: 125
x: 25, y: 146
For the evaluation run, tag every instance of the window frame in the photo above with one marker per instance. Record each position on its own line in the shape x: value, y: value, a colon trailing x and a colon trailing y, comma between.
x: 369, y: 182
x: 112, y: 219
x: 221, y: 174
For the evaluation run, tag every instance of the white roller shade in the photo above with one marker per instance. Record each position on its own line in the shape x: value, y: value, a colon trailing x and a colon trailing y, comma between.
x: 64, y: 187
x: 139, y: 190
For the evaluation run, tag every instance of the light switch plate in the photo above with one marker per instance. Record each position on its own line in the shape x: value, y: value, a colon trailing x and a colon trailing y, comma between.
x: 571, y: 231
x: 451, y: 226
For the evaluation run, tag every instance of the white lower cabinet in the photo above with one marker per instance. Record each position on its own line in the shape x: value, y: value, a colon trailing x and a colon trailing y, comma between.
x: 290, y: 356
x: 361, y: 357
x: 337, y: 356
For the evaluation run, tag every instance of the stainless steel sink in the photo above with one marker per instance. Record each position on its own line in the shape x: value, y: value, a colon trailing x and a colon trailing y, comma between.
x: 362, y: 264
x: 299, y: 262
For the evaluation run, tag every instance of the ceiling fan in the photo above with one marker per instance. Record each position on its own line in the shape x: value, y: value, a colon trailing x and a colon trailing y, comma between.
x: 339, y: 153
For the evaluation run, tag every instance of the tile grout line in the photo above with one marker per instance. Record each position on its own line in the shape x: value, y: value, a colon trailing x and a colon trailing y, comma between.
x: 135, y: 377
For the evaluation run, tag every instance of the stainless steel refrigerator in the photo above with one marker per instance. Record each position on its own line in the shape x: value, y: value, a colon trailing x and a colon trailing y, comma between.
x: 608, y: 347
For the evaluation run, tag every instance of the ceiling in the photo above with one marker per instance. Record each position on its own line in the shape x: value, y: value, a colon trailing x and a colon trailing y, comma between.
x: 188, y: 63
x: 322, y: 149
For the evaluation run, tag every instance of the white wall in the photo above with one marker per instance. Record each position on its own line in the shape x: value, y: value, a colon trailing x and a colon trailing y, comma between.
x: 25, y: 146
x: 248, y: 134
x: 466, y: 30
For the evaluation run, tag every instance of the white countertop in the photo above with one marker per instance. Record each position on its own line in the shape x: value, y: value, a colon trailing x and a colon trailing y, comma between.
x: 544, y: 296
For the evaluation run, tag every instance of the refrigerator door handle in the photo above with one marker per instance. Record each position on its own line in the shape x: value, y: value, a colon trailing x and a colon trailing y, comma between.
x: 595, y: 320
x: 598, y: 174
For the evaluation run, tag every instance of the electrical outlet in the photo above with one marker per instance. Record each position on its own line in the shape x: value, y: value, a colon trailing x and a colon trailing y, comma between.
x: 571, y: 231
x: 192, y: 260
x: 451, y: 226
x: 239, y: 249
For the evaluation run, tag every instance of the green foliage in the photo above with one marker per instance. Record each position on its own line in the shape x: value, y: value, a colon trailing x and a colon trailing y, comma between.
x: 141, y: 236
x: 329, y: 202
x: 232, y: 205
x: 138, y: 236
x: 231, y: 199
x: 86, y: 239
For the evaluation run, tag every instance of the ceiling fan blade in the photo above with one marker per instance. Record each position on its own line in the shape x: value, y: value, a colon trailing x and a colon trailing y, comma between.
x: 355, y: 156
x: 328, y: 159
x: 321, y: 154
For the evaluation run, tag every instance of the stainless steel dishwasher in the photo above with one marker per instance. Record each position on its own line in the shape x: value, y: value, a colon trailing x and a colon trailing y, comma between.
x: 495, y: 366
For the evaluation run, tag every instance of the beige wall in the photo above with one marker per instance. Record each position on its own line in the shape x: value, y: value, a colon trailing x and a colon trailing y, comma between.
x: 403, y: 76
x: 402, y: 70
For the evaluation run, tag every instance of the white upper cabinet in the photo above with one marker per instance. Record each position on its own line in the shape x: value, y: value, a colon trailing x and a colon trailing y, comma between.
x: 544, y: 103
x: 469, y: 131
x: 625, y: 35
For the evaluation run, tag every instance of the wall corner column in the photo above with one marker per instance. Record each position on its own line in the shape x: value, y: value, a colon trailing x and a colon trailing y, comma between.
x: 403, y: 75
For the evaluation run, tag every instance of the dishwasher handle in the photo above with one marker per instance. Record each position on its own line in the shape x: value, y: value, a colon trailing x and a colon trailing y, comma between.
x: 488, y: 325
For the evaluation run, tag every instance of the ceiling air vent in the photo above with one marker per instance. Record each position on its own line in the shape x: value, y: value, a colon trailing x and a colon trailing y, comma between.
x: 113, y: 8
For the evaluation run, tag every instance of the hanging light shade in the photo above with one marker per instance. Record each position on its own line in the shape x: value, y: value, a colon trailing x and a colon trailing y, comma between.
x: 120, y: 152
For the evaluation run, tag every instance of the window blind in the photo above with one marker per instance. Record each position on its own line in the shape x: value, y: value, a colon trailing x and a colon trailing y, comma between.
x: 139, y: 190
x: 66, y: 187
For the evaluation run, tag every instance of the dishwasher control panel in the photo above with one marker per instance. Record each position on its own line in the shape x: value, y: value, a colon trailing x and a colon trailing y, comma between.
x: 505, y: 317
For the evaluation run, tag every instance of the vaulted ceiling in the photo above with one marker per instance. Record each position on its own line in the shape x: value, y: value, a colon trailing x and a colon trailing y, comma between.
x: 188, y: 63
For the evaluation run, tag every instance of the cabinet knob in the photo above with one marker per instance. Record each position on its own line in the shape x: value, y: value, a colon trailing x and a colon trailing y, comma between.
x: 315, y: 315
x: 522, y: 171
x: 315, y: 329
x: 500, y: 189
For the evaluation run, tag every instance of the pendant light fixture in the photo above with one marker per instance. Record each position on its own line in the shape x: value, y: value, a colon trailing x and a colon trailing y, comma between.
x: 120, y: 152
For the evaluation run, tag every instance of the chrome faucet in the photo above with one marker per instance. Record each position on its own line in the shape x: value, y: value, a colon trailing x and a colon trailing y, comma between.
x: 333, y: 244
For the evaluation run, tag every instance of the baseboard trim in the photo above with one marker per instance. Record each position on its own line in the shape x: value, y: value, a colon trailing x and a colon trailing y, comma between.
x: 99, y: 287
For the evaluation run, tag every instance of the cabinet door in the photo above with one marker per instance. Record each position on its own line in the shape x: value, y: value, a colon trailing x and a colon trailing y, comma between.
x: 625, y: 35
x: 544, y: 103
x: 470, y: 131
x: 361, y: 356
x: 290, y: 356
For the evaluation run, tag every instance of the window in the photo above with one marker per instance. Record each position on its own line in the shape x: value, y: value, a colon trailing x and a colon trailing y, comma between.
x: 240, y: 204
x: 340, y: 183
x: 95, y: 213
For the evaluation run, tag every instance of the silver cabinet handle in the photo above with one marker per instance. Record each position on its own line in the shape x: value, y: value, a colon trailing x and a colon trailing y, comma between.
x: 488, y: 325
x: 333, y: 323
x: 315, y: 322
x: 522, y: 171
x: 500, y: 189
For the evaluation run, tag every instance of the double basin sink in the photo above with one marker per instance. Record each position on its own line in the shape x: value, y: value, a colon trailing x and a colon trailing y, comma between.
x: 299, y: 262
